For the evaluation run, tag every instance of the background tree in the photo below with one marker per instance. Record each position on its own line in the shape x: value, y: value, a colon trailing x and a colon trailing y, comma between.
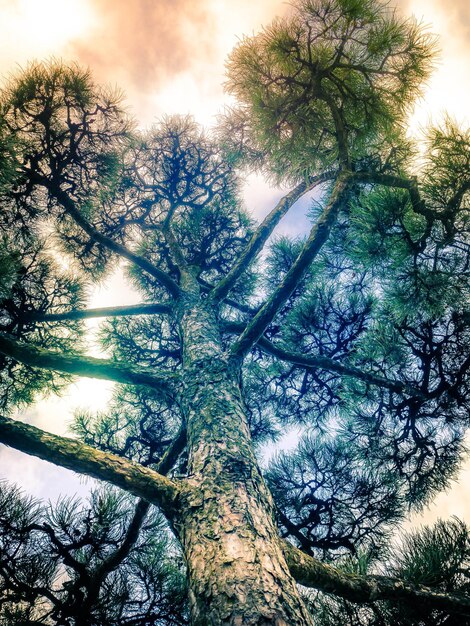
x: 102, y: 562
x: 356, y: 334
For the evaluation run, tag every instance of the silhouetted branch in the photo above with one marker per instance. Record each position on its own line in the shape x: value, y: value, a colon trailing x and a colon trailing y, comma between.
x: 264, y: 231
x: 69, y: 205
x: 87, y: 366
x: 326, y: 363
x: 318, y: 236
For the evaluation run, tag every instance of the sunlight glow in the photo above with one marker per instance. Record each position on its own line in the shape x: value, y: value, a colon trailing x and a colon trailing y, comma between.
x: 447, y: 90
x: 36, y: 29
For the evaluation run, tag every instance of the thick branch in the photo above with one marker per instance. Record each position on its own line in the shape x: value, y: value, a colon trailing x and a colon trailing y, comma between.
x: 175, y: 249
x: 86, y: 366
x: 340, y: 128
x: 69, y: 205
x: 318, y: 236
x: 264, y: 231
x: 65, y: 452
x: 310, y: 572
x: 325, y: 363
x: 110, y: 311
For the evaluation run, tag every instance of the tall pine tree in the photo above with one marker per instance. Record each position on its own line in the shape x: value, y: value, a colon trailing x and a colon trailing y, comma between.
x: 356, y: 335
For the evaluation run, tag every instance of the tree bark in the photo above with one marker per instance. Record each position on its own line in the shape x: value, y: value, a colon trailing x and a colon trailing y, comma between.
x: 223, y: 566
x: 141, y: 481
x: 310, y: 572
x: 238, y: 575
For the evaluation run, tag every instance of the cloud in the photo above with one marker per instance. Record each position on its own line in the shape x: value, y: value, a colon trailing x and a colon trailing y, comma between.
x: 149, y: 41
x: 457, y: 16
x: 167, y: 55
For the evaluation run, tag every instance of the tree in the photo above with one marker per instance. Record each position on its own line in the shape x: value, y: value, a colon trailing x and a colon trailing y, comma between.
x: 357, y: 334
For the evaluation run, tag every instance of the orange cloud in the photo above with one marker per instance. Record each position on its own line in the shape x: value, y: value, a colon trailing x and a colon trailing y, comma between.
x: 146, y: 40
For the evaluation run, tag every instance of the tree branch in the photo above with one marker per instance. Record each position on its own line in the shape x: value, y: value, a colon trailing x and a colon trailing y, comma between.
x: 264, y: 231
x: 113, y: 560
x: 116, y: 558
x: 318, y: 236
x: 69, y: 205
x: 172, y: 452
x: 111, y: 311
x: 340, y: 128
x: 175, y: 249
x: 74, y: 455
x: 399, y: 182
x: 310, y: 572
x: 87, y: 366
x: 325, y: 363
x: 243, y: 308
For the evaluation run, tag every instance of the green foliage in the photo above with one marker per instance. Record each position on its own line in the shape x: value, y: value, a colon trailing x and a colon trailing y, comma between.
x: 8, y: 270
x: 52, y: 560
x: 136, y: 425
x: 187, y: 182
x: 446, y: 180
x: 66, y: 135
x: 330, y: 501
x: 437, y: 556
x: 33, y: 282
x: 332, y: 76
x: 325, y: 90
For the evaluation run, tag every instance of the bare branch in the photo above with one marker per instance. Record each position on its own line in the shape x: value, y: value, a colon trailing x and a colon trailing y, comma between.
x: 175, y: 249
x: 399, y: 182
x: 318, y: 236
x: 69, y: 205
x: 87, y: 366
x: 325, y: 363
x: 310, y: 572
x: 71, y: 454
x: 115, y: 558
x: 264, y: 231
x: 111, y: 311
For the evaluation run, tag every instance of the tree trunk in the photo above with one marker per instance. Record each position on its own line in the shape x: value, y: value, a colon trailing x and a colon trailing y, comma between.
x: 237, y: 572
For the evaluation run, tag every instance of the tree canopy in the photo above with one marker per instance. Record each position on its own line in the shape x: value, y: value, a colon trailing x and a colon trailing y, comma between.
x: 356, y: 335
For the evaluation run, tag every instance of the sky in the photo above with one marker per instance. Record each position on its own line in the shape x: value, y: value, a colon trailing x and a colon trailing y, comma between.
x: 168, y: 57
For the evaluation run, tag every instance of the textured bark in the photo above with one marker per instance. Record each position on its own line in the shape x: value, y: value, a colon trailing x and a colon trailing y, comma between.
x: 240, y: 572
x: 310, y: 572
x: 237, y: 572
x: 134, y: 478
